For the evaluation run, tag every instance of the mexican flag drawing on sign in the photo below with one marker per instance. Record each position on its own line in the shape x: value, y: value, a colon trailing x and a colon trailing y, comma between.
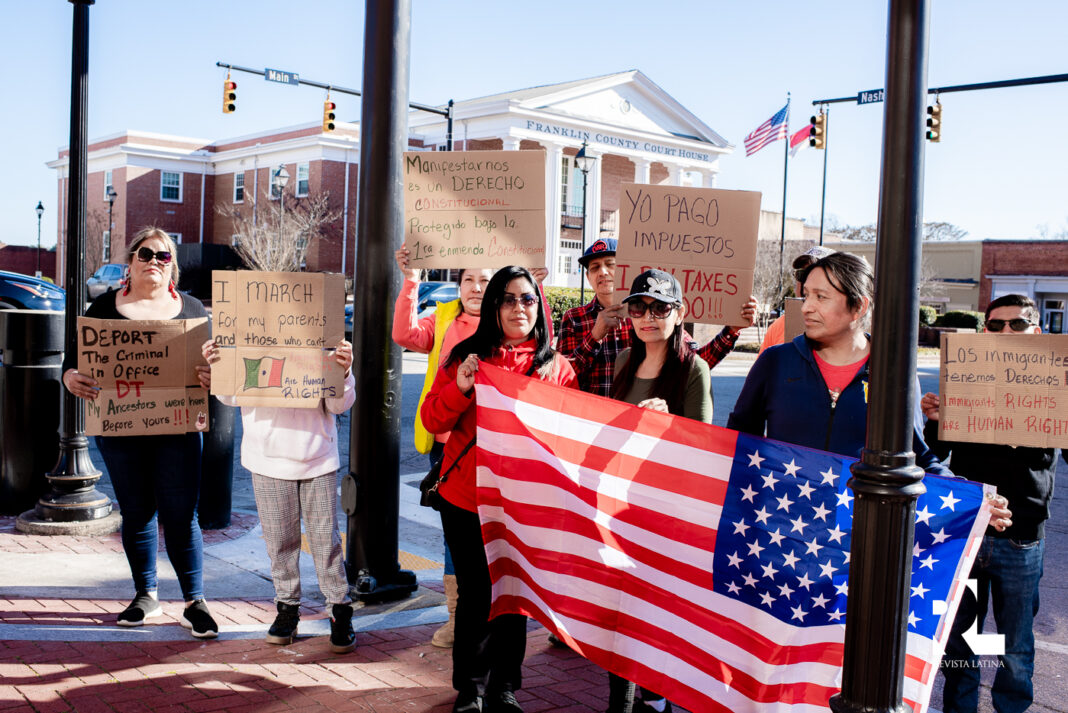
x: 263, y: 373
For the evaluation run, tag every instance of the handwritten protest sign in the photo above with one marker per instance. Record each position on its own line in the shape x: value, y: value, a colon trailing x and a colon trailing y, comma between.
x: 706, y: 237
x: 1011, y: 390
x: 474, y: 208
x: 147, y: 375
x: 276, y: 333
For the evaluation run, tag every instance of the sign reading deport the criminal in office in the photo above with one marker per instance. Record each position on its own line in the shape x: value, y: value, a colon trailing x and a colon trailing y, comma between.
x: 1011, y: 390
x: 147, y: 375
x: 706, y: 237
x: 474, y: 208
x: 277, y: 332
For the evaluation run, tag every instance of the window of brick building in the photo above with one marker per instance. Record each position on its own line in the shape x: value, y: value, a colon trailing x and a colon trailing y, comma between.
x: 106, y: 238
x: 176, y: 237
x: 107, y: 183
x: 303, y: 172
x: 170, y: 186
x: 239, y: 188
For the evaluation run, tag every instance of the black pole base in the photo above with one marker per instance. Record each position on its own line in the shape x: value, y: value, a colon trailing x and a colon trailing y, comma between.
x: 840, y: 705
x: 374, y: 590
x: 74, y: 497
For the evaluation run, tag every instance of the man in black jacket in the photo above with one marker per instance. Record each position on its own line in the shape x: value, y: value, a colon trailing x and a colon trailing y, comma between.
x: 1009, y: 564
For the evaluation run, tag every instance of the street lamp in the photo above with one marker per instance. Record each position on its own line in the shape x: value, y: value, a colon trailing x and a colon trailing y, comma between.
x: 40, y: 212
x: 112, y: 195
x: 584, y: 163
x: 279, y: 179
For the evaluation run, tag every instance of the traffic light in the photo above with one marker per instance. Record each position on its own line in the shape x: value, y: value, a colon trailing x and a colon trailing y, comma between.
x: 817, y: 133
x: 229, y: 96
x: 328, y: 115
x: 934, y: 122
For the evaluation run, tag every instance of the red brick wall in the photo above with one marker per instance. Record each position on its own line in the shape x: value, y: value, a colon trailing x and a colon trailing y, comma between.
x: 658, y: 174
x: 1010, y: 257
x: 615, y: 171
x: 23, y: 258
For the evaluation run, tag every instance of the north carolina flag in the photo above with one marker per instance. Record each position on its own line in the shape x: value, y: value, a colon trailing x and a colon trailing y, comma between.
x: 263, y: 373
x: 799, y: 140
x: 706, y: 565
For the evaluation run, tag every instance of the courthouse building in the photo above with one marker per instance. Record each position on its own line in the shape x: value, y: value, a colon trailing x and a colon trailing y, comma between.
x: 636, y: 131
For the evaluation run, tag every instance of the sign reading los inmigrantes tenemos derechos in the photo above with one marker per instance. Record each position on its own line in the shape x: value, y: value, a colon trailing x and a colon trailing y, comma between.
x: 705, y: 237
x: 474, y: 208
x: 1007, y: 389
x: 277, y: 332
x: 147, y: 375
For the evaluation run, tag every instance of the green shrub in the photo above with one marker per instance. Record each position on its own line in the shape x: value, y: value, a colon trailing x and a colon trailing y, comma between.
x: 928, y: 315
x: 961, y: 319
x: 561, y: 299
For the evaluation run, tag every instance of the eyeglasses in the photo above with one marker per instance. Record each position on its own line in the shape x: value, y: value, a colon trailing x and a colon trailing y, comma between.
x: 1018, y: 325
x: 146, y: 255
x: 658, y: 309
x: 527, y: 300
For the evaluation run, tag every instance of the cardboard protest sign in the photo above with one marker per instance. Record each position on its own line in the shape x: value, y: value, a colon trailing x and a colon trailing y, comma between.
x: 277, y: 332
x: 795, y: 321
x: 147, y: 375
x: 474, y: 208
x: 1011, y: 390
x: 706, y: 237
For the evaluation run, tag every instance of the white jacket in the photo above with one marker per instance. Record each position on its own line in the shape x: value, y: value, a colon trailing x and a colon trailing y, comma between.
x: 293, y: 443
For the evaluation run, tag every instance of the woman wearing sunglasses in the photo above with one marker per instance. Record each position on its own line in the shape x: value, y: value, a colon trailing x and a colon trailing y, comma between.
x: 155, y: 475
x: 512, y: 334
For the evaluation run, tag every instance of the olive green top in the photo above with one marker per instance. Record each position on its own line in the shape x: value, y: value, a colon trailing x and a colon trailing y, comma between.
x: 698, y: 401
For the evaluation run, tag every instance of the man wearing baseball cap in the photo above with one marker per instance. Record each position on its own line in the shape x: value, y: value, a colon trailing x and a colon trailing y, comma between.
x: 777, y: 329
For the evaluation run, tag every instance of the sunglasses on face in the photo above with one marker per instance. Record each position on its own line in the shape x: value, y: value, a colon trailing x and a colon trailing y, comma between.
x: 1018, y: 325
x: 658, y: 309
x: 527, y: 300
x: 146, y: 254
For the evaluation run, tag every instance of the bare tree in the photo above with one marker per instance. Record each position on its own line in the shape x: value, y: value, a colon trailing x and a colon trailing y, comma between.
x: 277, y: 240
x: 943, y: 231
x: 768, y: 288
x: 96, y: 224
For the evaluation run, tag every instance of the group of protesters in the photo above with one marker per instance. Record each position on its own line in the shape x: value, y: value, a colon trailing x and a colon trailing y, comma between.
x: 809, y: 391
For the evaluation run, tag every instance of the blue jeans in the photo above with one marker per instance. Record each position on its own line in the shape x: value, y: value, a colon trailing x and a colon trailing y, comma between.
x: 1008, y: 572
x: 158, y: 475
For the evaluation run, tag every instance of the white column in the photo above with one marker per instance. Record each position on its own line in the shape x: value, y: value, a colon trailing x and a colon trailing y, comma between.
x: 675, y: 177
x: 641, y: 170
x: 710, y: 178
x: 553, y: 174
x: 511, y: 143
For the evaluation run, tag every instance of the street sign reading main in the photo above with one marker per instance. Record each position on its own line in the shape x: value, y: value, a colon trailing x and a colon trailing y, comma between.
x: 872, y: 96
x: 277, y: 75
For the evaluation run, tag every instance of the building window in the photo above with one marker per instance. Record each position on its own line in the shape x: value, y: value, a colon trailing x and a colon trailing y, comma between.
x: 106, y: 253
x: 570, y: 244
x: 303, y: 171
x: 107, y: 184
x: 176, y: 237
x: 239, y: 187
x: 565, y: 179
x: 234, y: 240
x: 170, y: 186
x: 565, y: 264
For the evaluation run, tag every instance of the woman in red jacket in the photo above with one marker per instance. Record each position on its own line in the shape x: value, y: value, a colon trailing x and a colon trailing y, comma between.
x: 512, y: 334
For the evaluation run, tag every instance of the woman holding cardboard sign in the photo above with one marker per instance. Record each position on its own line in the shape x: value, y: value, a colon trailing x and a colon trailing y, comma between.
x: 159, y: 475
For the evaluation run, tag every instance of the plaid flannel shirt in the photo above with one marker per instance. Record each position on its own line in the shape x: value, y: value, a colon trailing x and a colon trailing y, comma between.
x: 595, y: 362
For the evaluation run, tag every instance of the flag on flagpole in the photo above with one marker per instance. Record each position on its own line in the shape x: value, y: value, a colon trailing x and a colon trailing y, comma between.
x: 800, y: 139
x: 770, y: 131
x: 706, y: 565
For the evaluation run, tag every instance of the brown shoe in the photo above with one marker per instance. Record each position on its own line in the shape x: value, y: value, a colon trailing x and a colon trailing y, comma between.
x: 446, y: 635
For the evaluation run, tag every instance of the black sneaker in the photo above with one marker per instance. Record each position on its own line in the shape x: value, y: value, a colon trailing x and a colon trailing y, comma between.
x: 199, y: 622
x: 502, y: 702
x: 342, y: 637
x: 466, y: 703
x: 144, y: 606
x: 284, y: 628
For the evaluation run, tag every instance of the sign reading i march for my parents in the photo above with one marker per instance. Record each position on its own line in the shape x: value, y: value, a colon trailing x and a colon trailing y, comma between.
x: 277, y: 332
x: 474, y: 208
x: 147, y: 375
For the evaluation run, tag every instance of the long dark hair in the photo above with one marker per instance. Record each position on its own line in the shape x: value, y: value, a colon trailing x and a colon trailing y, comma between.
x: 670, y: 383
x: 489, y: 335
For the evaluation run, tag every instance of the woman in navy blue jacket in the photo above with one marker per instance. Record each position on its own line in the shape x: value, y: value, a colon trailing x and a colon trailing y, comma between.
x: 813, y: 391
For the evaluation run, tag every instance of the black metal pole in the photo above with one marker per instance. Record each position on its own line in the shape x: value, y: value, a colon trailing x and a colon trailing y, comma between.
x: 111, y: 203
x: 886, y: 481
x: 371, y: 495
x: 74, y: 497
x: 448, y: 126
x: 38, y: 243
x: 823, y: 196
x: 582, y: 277
x: 782, y: 233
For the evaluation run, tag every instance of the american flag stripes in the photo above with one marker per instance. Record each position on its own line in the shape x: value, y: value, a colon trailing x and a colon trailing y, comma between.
x: 703, y: 564
x: 771, y: 130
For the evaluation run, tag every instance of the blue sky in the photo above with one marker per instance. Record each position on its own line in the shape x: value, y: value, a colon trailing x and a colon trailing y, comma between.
x: 997, y: 173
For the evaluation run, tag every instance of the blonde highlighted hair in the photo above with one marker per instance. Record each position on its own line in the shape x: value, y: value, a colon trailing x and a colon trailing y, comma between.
x: 153, y: 232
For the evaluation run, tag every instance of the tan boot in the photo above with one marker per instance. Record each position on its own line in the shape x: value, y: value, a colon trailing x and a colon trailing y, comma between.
x: 446, y: 635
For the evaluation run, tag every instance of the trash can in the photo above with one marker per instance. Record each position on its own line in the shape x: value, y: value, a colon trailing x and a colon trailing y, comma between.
x: 31, y: 397
x: 217, y: 467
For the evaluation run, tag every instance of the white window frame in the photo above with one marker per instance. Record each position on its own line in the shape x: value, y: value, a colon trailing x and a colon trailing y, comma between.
x: 107, y: 183
x: 565, y: 177
x: 566, y: 264
x: 305, y: 169
x: 241, y: 187
x: 566, y: 244
x: 176, y: 237
x: 163, y: 185
x: 105, y: 256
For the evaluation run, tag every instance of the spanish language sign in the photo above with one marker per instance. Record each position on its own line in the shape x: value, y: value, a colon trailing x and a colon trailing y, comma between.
x: 705, y: 237
x: 277, y: 332
x: 1011, y: 390
x: 474, y: 208
x: 147, y: 375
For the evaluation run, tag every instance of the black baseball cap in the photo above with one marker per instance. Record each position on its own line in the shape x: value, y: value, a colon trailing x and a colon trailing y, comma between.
x: 657, y: 284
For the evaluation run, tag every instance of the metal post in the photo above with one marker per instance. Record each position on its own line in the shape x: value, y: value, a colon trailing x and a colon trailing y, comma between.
x: 886, y: 481
x: 111, y: 223
x: 823, y: 196
x: 782, y: 234
x: 448, y: 126
x: 370, y: 492
x: 40, y: 212
x: 585, y: 210
x: 74, y: 497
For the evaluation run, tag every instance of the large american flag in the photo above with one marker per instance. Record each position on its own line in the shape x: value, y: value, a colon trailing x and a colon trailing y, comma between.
x: 771, y: 130
x: 706, y: 565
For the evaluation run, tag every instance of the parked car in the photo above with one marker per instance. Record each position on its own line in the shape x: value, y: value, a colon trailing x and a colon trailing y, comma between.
x: 430, y: 293
x: 106, y: 278
x: 18, y: 291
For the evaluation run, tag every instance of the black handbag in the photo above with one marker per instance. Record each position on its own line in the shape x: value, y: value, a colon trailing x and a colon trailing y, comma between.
x: 428, y: 486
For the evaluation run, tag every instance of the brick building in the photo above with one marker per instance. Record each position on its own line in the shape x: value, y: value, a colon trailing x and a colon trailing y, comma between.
x: 25, y: 259
x: 636, y: 131
x: 1036, y: 268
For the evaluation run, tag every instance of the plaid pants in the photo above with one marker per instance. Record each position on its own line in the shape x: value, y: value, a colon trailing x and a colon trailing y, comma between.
x: 281, y: 503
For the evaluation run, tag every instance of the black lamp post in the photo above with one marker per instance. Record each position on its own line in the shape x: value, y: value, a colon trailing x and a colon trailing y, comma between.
x: 112, y: 195
x: 40, y: 212
x: 279, y: 179
x: 584, y: 163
